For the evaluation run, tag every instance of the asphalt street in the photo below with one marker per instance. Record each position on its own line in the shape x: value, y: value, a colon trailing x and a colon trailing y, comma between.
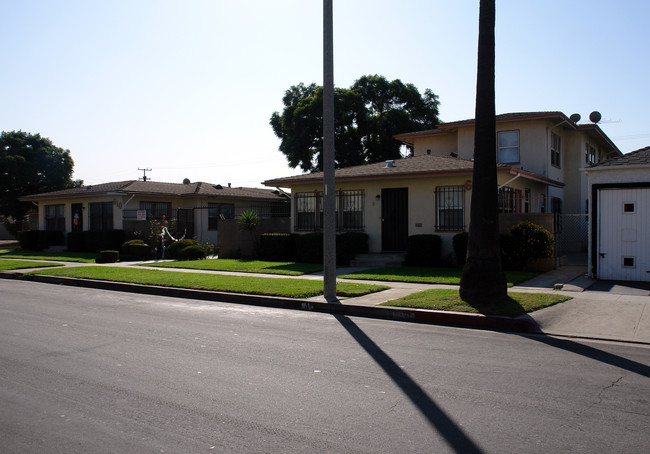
x: 85, y: 370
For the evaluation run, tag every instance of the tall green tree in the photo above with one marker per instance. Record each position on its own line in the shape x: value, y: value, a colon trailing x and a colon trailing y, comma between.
x: 483, y: 280
x: 367, y: 116
x: 30, y: 164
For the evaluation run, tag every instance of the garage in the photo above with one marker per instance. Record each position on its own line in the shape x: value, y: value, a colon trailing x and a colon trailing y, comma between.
x: 624, y: 234
x: 619, y: 228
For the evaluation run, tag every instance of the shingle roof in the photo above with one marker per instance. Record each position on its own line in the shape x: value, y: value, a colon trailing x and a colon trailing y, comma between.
x: 155, y: 188
x: 639, y: 157
x: 414, y: 167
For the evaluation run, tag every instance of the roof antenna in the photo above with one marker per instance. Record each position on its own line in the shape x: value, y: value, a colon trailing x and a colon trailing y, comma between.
x: 144, y: 174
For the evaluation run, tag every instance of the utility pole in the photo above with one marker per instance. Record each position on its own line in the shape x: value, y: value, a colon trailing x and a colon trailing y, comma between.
x: 329, y: 195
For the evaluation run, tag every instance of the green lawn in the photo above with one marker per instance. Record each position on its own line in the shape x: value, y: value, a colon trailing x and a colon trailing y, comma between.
x: 81, y: 257
x: 427, y: 275
x: 292, y: 288
x: 245, y: 266
x: 20, y: 264
x: 449, y: 300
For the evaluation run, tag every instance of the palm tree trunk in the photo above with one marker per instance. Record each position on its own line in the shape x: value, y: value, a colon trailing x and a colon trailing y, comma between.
x: 483, y: 280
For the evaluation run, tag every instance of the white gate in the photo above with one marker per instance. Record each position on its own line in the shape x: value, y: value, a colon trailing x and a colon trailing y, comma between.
x: 624, y: 234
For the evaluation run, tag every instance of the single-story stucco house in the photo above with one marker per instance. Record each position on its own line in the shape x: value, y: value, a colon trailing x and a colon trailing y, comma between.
x: 619, y: 231
x: 539, y: 159
x: 198, y: 208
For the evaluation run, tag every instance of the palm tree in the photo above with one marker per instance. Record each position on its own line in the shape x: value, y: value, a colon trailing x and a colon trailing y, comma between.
x: 483, y: 280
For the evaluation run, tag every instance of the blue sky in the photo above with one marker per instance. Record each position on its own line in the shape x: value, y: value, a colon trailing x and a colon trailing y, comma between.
x: 187, y: 88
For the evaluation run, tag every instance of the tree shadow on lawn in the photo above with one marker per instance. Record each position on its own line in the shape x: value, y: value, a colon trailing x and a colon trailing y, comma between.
x: 508, y: 308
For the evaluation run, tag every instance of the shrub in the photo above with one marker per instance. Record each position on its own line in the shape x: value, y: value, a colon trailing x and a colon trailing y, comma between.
x: 459, y: 242
x: 108, y: 257
x: 136, y: 249
x: 99, y: 240
x: 309, y: 248
x: 423, y: 250
x: 191, y: 252
x: 54, y: 238
x: 76, y: 242
x: 529, y: 241
x: 176, y: 246
x: 348, y: 245
x: 280, y: 247
x: 177, y: 250
x: 32, y: 240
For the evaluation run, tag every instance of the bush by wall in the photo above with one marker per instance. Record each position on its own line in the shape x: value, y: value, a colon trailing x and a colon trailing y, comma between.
x: 423, y: 250
x: 309, y: 248
x: 459, y: 242
x: 189, y: 250
x: 136, y: 249
x: 37, y: 240
x: 280, y: 247
x: 348, y: 245
x: 108, y: 257
x: 529, y: 241
x: 76, y: 242
x: 99, y: 240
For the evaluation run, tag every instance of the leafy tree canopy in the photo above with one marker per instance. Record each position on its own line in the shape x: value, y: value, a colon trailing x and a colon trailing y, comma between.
x: 30, y: 164
x: 367, y: 116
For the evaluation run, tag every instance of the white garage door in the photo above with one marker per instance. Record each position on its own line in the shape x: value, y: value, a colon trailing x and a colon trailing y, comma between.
x: 624, y: 234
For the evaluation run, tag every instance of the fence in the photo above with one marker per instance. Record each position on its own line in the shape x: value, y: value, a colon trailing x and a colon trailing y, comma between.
x: 572, y: 233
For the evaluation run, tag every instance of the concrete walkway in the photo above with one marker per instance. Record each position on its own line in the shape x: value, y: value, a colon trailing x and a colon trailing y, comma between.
x: 607, y: 311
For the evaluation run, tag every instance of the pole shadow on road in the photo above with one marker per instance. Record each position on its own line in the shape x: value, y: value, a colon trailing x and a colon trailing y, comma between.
x: 592, y: 353
x: 438, y: 419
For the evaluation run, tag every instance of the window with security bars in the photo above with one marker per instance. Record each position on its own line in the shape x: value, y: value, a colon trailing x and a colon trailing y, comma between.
x: 450, y: 208
x: 219, y: 211
x: 309, y: 211
x: 157, y: 210
x: 55, y: 217
x: 101, y: 215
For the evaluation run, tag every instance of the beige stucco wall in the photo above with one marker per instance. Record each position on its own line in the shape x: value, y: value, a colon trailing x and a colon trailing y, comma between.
x: 421, y: 203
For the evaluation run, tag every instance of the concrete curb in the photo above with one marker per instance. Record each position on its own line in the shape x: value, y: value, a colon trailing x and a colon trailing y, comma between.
x: 458, y: 319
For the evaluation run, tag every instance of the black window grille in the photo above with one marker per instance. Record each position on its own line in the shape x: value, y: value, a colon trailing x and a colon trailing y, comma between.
x: 217, y: 211
x: 157, y: 210
x: 450, y: 208
x: 55, y: 217
x: 101, y: 215
x: 309, y: 211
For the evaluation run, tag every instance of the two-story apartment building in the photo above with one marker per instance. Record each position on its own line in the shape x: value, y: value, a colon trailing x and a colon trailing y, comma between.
x: 539, y: 157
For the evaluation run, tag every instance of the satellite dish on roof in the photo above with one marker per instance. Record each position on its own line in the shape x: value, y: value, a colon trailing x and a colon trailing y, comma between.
x: 186, y: 181
x: 595, y: 116
x: 575, y: 117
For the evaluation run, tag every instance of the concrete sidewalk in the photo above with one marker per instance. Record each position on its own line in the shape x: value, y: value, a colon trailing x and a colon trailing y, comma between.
x: 615, y: 312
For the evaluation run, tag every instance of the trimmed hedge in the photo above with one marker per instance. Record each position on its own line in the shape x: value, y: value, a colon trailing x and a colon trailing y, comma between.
x: 101, y: 240
x: 348, y: 245
x: 136, y: 249
x: 277, y: 247
x: 459, y: 242
x: 309, y: 248
x: 37, y: 240
x: 108, y: 257
x: 76, y: 242
x: 189, y: 250
x: 423, y: 250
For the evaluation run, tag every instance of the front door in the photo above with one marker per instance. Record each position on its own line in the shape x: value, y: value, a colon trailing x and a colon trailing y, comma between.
x: 77, y: 210
x: 394, y: 219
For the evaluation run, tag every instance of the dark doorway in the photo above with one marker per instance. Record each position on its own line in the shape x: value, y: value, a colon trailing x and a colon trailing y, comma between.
x: 185, y: 222
x: 77, y: 210
x: 394, y: 219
